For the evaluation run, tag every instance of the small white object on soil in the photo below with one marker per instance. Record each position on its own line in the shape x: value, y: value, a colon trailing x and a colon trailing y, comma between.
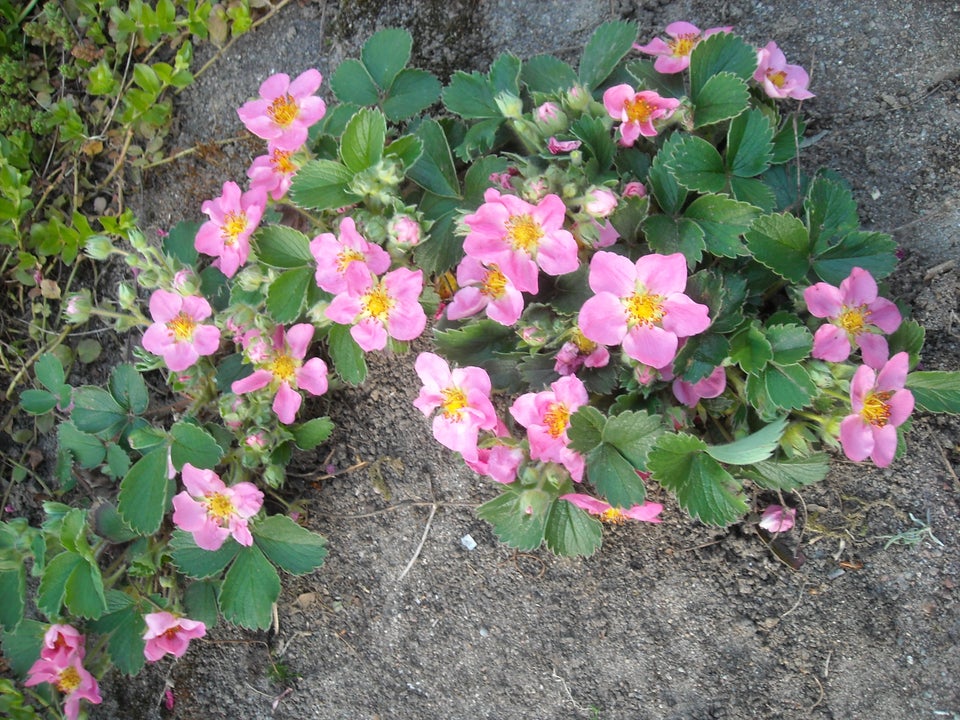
x: 468, y: 542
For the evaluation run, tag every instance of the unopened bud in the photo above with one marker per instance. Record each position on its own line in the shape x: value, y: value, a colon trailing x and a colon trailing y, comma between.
x: 98, y: 247
x: 77, y: 308
x: 126, y: 297
x: 510, y: 105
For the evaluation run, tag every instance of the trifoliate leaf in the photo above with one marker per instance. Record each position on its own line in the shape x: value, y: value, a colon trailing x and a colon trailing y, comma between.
x: 781, y: 243
x: 289, y: 546
x: 249, y: 590
x: 282, y: 246
x: 145, y: 493
x: 571, y: 532
x: 385, y: 53
x: 511, y: 521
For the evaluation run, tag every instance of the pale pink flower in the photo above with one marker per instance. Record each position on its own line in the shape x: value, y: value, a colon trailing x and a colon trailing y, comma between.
x: 599, y: 202
x: 211, y: 511
x: 381, y: 307
x: 780, y: 80
x: 519, y: 237
x: 60, y: 642
x: 463, y: 397
x: 346, y: 261
x: 641, y: 305
x: 546, y: 416
x: 710, y: 387
x: 857, y: 317
x: 637, y: 111
x: 880, y: 404
x: 634, y: 189
x: 777, y: 519
x: 646, y: 512
x: 273, y: 173
x: 562, y: 146
x: 66, y: 674
x: 404, y: 231
x: 178, y: 333
x: 499, y: 462
x: 673, y: 55
x: 485, y: 287
x: 168, y: 633
x: 281, y: 367
x: 285, y: 109
x: 579, y: 352
x: 234, y: 216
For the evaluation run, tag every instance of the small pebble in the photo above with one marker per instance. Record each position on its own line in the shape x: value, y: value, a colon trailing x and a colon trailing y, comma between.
x: 468, y: 542
x: 834, y: 574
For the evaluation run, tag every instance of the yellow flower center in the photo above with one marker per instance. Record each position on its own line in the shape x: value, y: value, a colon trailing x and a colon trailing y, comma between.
x: 347, y: 256
x: 584, y: 344
x: 638, y: 110
x: 233, y: 225
x: 182, y: 326
x: 454, y: 400
x: 377, y: 302
x: 68, y: 680
x: 876, y: 408
x: 219, y: 507
x: 495, y: 283
x: 556, y: 419
x: 645, y: 308
x: 777, y: 77
x: 284, y: 367
x: 682, y: 46
x: 283, y: 110
x: 614, y: 516
x: 524, y: 233
x: 853, y: 319
x: 281, y: 161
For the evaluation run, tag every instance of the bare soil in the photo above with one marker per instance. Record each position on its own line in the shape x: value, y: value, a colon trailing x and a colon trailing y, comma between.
x: 678, y: 620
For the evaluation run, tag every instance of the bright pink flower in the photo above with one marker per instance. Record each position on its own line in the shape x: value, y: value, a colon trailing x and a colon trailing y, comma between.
x: 178, y: 334
x: 167, y: 633
x: 636, y: 111
x: 347, y: 261
x: 381, y: 307
x: 60, y: 642
x: 562, y: 146
x: 880, y: 404
x: 673, y: 55
x: 463, y: 397
x: 285, y: 109
x: 518, y: 237
x: 856, y: 316
x: 647, y: 512
x: 641, y: 306
x: 546, y: 416
x: 281, y: 367
x: 482, y: 286
x: 499, y: 462
x: 273, y: 173
x: 211, y: 511
x: 234, y: 216
x: 634, y: 189
x: 779, y: 79
x: 66, y: 674
x: 710, y: 387
x: 777, y: 519
x: 578, y: 352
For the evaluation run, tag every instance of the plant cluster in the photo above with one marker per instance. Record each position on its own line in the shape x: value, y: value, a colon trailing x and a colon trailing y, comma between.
x: 628, y: 254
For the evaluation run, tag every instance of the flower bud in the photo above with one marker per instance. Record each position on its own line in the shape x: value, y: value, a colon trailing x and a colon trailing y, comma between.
x: 634, y: 189
x: 137, y: 240
x: 577, y: 99
x: 98, y: 247
x: 510, y: 105
x: 126, y: 297
x: 599, y: 202
x: 551, y: 119
x: 404, y: 231
x: 77, y: 307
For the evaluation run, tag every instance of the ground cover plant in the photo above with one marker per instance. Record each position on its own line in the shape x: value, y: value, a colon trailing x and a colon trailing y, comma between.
x: 580, y: 174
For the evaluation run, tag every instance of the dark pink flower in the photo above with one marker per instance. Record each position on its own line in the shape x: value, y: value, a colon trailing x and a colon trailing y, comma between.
x: 61, y: 642
x: 66, y: 674
x: 178, y: 333
x: 673, y: 55
x: 646, y: 512
x: 780, y: 80
x: 168, y: 633
x: 637, y: 111
x: 580, y: 351
x: 562, y: 146
x: 273, y: 173
x: 285, y: 109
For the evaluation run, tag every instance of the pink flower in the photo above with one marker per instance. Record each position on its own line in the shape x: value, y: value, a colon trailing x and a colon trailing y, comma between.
x: 518, y: 237
x: 547, y: 111
x: 499, y: 462
x: 647, y: 512
x: 673, y: 55
x: 273, y: 173
x: 212, y: 512
x: 562, y: 146
x: 281, y: 367
x: 710, y: 387
x: 641, y: 306
x: 546, y: 416
x: 178, y: 334
x: 285, y: 109
x: 482, y: 286
x: 856, y: 316
x: 167, y: 633
x: 599, y: 202
x: 347, y: 261
x: 634, y: 189
x: 381, y: 307
x: 67, y: 675
x: 779, y: 79
x: 777, y: 519
x: 636, y: 111
x: 233, y: 219
x: 61, y: 642
x: 463, y: 397
x: 880, y: 404
x: 404, y: 231
x: 578, y: 352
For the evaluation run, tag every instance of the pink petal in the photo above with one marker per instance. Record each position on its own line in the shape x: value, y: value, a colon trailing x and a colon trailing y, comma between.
x: 286, y: 403
x: 662, y: 274
x: 684, y: 317
x: 206, y: 339
x: 298, y: 339
x: 165, y: 306
x: 901, y: 405
x: 823, y: 301
x: 862, y: 383
x: 200, y: 482
x: 885, y: 445
x: 874, y: 349
x: 856, y: 437
x: 651, y: 345
x: 587, y: 502
x: 612, y: 273
x: 312, y: 376
x: 369, y: 335
x: 255, y: 381
x: 859, y: 288
x: 681, y: 27
x: 894, y: 373
x: 831, y: 343
x: 247, y: 499
x: 885, y: 315
x: 306, y: 83
x: 647, y: 512
x: 603, y: 319
x: 615, y: 98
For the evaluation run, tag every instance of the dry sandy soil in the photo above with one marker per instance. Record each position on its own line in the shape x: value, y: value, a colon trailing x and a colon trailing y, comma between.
x: 671, y: 621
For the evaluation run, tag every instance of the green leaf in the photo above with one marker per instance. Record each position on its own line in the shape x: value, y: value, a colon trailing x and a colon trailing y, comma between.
x: 786, y: 143
x: 480, y: 139
x: 313, y: 432
x: 571, y: 532
x: 37, y: 402
x: 21, y: 647
x: 669, y: 194
x: 361, y: 146
x: 406, y: 148
x: 586, y: 429
x: 597, y: 139
x: 385, y: 54
x: 789, y: 387
x: 108, y: 524
x: 751, y: 449
x: 547, y: 74
x: 194, y: 561
x: 700, y: 356
x: 831, y: 211
x: 435, y: 171
x: 511, y: 523
x: 781, y: 243
x: 471, y: 96
x: 702, y: 486
x: 126, y: 628
x: 722, y: 97
x: 86, y: 449
x: 322, y: 185
x: 668, y: 235
x: 907, y: 338
x: 697, y: 165
x: 129, y: 389
x: 935, y: 391
x: 614, y: 477
x: 788, y: 473
x: 477, y: 179
x: 287, y: 293
x: 721, y: 53
x: 790, y: 343
x: 666, y: 85
x: 146, y: 77
x: 608, y: 45
x: 872, y: 251
x: 84, y: 591
x: 289, y: 546
x: 49, y: 371
x: 351, y: 83
x: 505, y: 74
x: 749, y: 144
x: 194, y: 445
x: 145, y: 493
x: 282, y: 246
x: 348, y: 358
x: 249, y: 590
x: 53, y: 584
x: 633, y: 434
x: 755, y: 192
x: 13, y: 593
x: 750, y: 349
x: 723, y: 221
x: 200, y: 600
x: 411, y: 92
x: 95, y: 411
